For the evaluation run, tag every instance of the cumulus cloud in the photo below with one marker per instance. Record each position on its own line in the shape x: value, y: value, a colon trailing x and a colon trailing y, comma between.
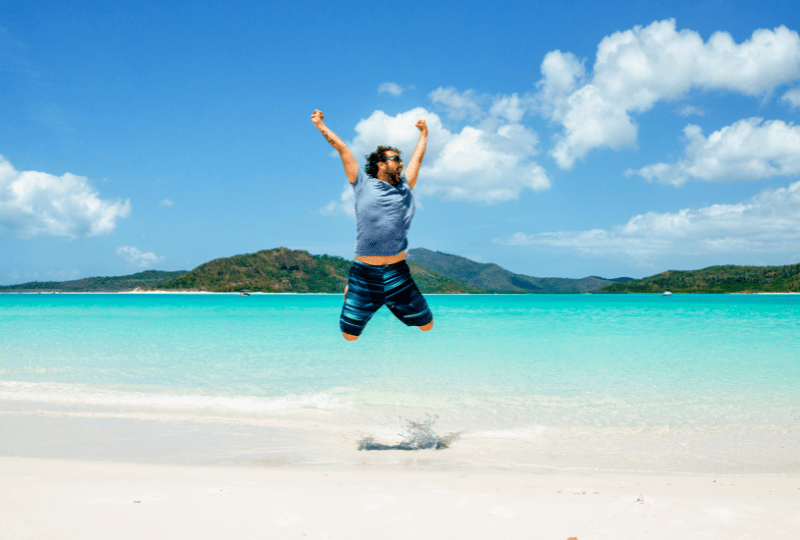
x: 562, y: 74
x: 459, y: 105
x: 510, y: 108
x: 489, y: 163
x: 33, y: 203
x: 167, y: 202
x: 792, y: 97
x: 390, y: 88
x: 637, y: 68
x: 134, y: 257
x: 767, y: 223
x: 750, y: 149
x: 482, y: 107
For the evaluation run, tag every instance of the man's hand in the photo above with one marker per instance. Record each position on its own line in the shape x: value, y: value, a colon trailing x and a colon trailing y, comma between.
x: 316, y: 117
x: 419, y: 152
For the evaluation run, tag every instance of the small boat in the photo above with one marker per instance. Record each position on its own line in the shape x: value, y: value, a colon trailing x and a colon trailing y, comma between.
x: 666, y: 293
x: 244, y: 293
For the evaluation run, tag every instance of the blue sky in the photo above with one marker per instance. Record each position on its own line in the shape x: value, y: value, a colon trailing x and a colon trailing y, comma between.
x: 567, y: 140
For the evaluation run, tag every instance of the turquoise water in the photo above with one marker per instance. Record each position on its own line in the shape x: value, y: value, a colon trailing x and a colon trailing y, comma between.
x: 492, y: 364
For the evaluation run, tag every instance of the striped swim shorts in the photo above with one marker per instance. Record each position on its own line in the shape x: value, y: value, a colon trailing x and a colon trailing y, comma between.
x: 370, y: 287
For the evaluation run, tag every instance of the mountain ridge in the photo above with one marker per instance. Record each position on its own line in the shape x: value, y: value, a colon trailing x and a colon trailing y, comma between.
x: 494, y: 278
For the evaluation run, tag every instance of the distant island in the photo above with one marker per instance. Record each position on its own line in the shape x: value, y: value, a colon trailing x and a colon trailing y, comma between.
x: 716, y: 279
x: 289, y: 271
x: 96, y: 284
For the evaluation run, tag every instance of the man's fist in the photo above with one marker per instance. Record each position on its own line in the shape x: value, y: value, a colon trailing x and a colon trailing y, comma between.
x: 316, y: 117
x: 421, y: 125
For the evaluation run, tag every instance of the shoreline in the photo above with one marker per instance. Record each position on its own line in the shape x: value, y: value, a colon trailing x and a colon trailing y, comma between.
x: 312, y: 437
x: 87, y: 500
x: 260, y: 293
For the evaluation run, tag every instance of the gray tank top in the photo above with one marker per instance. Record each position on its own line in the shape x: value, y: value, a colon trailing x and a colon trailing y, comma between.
x: 383, y: 215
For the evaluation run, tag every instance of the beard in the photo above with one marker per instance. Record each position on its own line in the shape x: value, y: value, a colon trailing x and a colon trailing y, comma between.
x: 393, y: 178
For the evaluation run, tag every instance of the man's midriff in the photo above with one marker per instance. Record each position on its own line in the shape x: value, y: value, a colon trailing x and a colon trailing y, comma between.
x: 382, y: 260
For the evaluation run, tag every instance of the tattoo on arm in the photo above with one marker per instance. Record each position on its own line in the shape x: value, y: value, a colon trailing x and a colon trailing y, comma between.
x: 329, y: 137
x: 350, y: 163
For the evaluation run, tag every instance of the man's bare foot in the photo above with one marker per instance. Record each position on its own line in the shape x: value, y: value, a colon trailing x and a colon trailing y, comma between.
x: 349, y: 337
x: 427, y: 327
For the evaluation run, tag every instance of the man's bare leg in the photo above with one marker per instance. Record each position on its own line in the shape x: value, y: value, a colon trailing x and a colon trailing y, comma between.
x: 348, y: 337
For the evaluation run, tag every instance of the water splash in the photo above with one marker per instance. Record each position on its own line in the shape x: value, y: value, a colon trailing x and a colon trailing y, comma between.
x: 419, y: 436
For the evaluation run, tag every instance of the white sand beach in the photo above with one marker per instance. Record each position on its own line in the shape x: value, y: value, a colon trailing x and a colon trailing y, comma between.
x: 72, y: 499
x: 67, y: 476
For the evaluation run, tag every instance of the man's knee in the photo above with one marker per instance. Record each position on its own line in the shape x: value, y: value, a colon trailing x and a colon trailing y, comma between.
x: 426, y: 327
x: 350, y: 337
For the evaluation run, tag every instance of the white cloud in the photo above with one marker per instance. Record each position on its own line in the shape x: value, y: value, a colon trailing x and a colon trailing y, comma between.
x: 390, y: 88
x: 482, y: 165
x: 167, y: 202
x: 34, y: 203
x: 636, y: 68
x: 691, y: 110
x: 767, y: 223
x: 750, y: 149
x: 510, y: 108
x: 459, y: 105
x: 488, y: 163
x: 135, y: 257
x: 472, y: 106
x: 792, y: 97
x: 562, y: 73
x: 345, y: 205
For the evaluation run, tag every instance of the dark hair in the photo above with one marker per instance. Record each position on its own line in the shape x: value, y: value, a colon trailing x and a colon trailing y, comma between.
x: 371, y: 168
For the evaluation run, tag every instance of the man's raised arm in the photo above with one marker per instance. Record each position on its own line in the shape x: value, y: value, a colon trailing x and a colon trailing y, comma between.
x: 349, y: 162
x: 419, y: 152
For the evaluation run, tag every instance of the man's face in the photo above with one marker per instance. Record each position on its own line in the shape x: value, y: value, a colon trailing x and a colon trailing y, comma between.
x: 392, y: 165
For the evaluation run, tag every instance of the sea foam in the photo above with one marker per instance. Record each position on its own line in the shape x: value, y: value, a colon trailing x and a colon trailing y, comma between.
x: 78, y: 394
x: 418, y: 436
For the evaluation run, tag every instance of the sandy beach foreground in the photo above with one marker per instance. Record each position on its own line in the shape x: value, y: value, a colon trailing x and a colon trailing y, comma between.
x: 72, y: 499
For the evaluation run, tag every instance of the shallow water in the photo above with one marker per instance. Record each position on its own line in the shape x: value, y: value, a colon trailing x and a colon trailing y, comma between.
x: 511, y: 371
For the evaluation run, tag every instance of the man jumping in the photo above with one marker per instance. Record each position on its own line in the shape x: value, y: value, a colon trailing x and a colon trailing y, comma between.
x: 384, y: 209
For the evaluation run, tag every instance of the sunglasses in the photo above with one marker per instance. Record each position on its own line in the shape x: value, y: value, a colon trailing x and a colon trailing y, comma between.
x: 396, y: 159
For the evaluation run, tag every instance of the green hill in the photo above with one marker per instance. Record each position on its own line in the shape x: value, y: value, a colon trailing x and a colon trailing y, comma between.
x: 284, y: 270
x: 716, y: 279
